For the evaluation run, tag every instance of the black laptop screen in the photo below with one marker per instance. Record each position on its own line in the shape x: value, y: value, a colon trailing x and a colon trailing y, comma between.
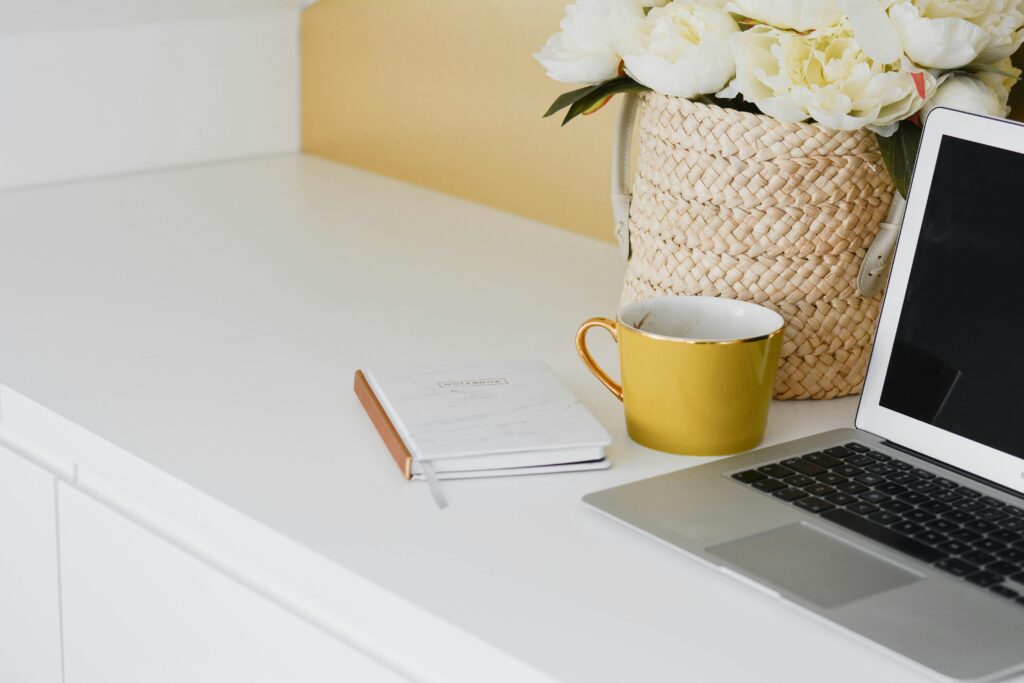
x: 958, y: 357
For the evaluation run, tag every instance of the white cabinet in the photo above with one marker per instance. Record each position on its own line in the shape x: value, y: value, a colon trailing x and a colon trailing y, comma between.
x: 29, y: 603
x: 136, y: 608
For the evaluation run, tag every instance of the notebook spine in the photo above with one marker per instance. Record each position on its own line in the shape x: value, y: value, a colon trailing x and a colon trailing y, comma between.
x: 381, y: 421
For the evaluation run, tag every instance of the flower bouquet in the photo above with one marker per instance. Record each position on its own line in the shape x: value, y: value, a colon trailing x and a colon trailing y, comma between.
x: 773, y: 138
x: 879, y: 65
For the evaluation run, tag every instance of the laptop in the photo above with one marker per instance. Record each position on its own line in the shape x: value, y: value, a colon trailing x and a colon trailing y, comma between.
x: 907, y: 530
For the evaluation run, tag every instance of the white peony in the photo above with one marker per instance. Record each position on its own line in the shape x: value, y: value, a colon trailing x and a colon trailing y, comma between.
x: 801, y: 15
x: 683, y: 49
x: 594, y: 33
x: 871, y: 26
x: 965, y: 93
x: 825, y: 76
x: 1001, y: 78
x: 946, y: 34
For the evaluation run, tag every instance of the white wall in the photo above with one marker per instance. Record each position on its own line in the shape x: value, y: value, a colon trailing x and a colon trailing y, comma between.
x: 22, y: 16
x: 87, y: 101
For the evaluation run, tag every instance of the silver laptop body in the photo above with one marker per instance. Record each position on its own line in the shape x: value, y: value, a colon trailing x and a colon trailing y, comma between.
x: 937, y: 445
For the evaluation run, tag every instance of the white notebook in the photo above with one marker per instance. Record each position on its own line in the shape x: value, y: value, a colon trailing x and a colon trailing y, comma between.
x: 490, y: 419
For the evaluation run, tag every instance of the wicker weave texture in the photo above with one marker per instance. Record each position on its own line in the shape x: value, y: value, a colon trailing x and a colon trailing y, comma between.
x: 738, y: 205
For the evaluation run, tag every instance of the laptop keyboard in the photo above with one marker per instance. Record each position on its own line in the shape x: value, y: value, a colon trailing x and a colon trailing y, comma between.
x: 953, y: 527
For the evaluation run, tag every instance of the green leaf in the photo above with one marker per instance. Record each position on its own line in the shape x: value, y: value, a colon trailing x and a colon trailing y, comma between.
x: 592, y: 100
x: 737, y: 103
x: 565, y: 99
x: 899, y: 152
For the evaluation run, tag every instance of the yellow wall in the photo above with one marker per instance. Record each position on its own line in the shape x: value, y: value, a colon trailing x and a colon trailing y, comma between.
x: 445, y: 93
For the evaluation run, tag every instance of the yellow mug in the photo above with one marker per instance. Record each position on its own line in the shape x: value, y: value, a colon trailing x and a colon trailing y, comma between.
x: 697, y: 372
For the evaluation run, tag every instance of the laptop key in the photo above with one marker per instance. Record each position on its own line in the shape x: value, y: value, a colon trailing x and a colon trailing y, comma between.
x: 819, y: 490
x: 968, y: 492
x: 1005, y: 536
x: 873, y: 497
x: 840, y: 498
x: 902, y: 478
x: 859, y: 447
x: 988, y: 545
x: 945, y: 483
x: 1015, y: 511
x: 983, y: 578
x: 880, y: 457
x: 931, y: 537
x: 1004, y: 591
x: 868, y: 479
x: 880, y: 468
x: 923, y: 486
x: 768, y: 485
x: 900, y: 465
x: 851, y: 487
x: 923, y: 474
x: 799, y: 481
x: 954, y: 547
x: 913, y: 497
x: 775, y: 470
x: 831, y: 478
x: 826, y: 461
x: 908, y: 528
x: 918, y: 515
x: 956, y: 567
x: 964, y: 535
x: 946, y: 496
x: 895, y: 506
x: 789, y: 494
x: 803, y: 466
x: 812, y: 504
x: 841, y: 451
x: 982, y: 525
x: 862, y: 508
x: 991, y: 514
x: 943, y: 525
x: 860, y: 460
x: 883, y: 535
x: 992, y: 502
x: 968, y: 505
x: 891, y: 489
x: 958, y: 516
x: 1012, y: 523
x: 749, y: 477
x: 935, y: 507
x: 1012, y: 555
x: 848, y: 470
x: 1001, y: 567
x: 883, y: 517
x: 977, y: 557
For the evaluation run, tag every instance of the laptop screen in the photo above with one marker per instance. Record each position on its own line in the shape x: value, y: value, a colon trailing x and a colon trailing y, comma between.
x: 958, y: 356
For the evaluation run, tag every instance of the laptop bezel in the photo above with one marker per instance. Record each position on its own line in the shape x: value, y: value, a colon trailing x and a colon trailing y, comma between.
x: 983, y: 461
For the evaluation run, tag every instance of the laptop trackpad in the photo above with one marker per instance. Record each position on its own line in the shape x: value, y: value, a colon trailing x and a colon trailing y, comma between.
x: 813, y: 565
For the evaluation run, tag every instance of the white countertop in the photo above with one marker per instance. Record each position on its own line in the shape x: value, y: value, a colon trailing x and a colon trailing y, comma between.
x: 209, y: 320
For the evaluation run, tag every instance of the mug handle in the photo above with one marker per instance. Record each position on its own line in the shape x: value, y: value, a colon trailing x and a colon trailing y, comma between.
x: 588, y: 360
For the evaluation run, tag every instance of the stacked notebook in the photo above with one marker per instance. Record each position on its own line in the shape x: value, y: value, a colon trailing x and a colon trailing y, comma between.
x: 485, y: 420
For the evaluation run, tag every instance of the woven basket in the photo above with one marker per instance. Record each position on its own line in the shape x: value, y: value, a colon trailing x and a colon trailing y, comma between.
x: 727, y: 203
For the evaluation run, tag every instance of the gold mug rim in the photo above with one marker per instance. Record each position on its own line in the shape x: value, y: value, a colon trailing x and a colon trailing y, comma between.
x: 686, y: 340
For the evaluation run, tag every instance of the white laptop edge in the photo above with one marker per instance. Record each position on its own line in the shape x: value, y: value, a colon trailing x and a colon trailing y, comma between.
x: 983, y: 461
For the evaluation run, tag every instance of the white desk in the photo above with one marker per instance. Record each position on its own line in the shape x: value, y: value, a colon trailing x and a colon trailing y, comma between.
x: 209, y: 321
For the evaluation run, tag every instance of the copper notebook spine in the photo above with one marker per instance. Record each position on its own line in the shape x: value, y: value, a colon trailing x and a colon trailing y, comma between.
x: 380, y: 420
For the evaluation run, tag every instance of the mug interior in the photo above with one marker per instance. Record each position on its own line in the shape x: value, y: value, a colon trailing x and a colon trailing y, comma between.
x: 700, y: 318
